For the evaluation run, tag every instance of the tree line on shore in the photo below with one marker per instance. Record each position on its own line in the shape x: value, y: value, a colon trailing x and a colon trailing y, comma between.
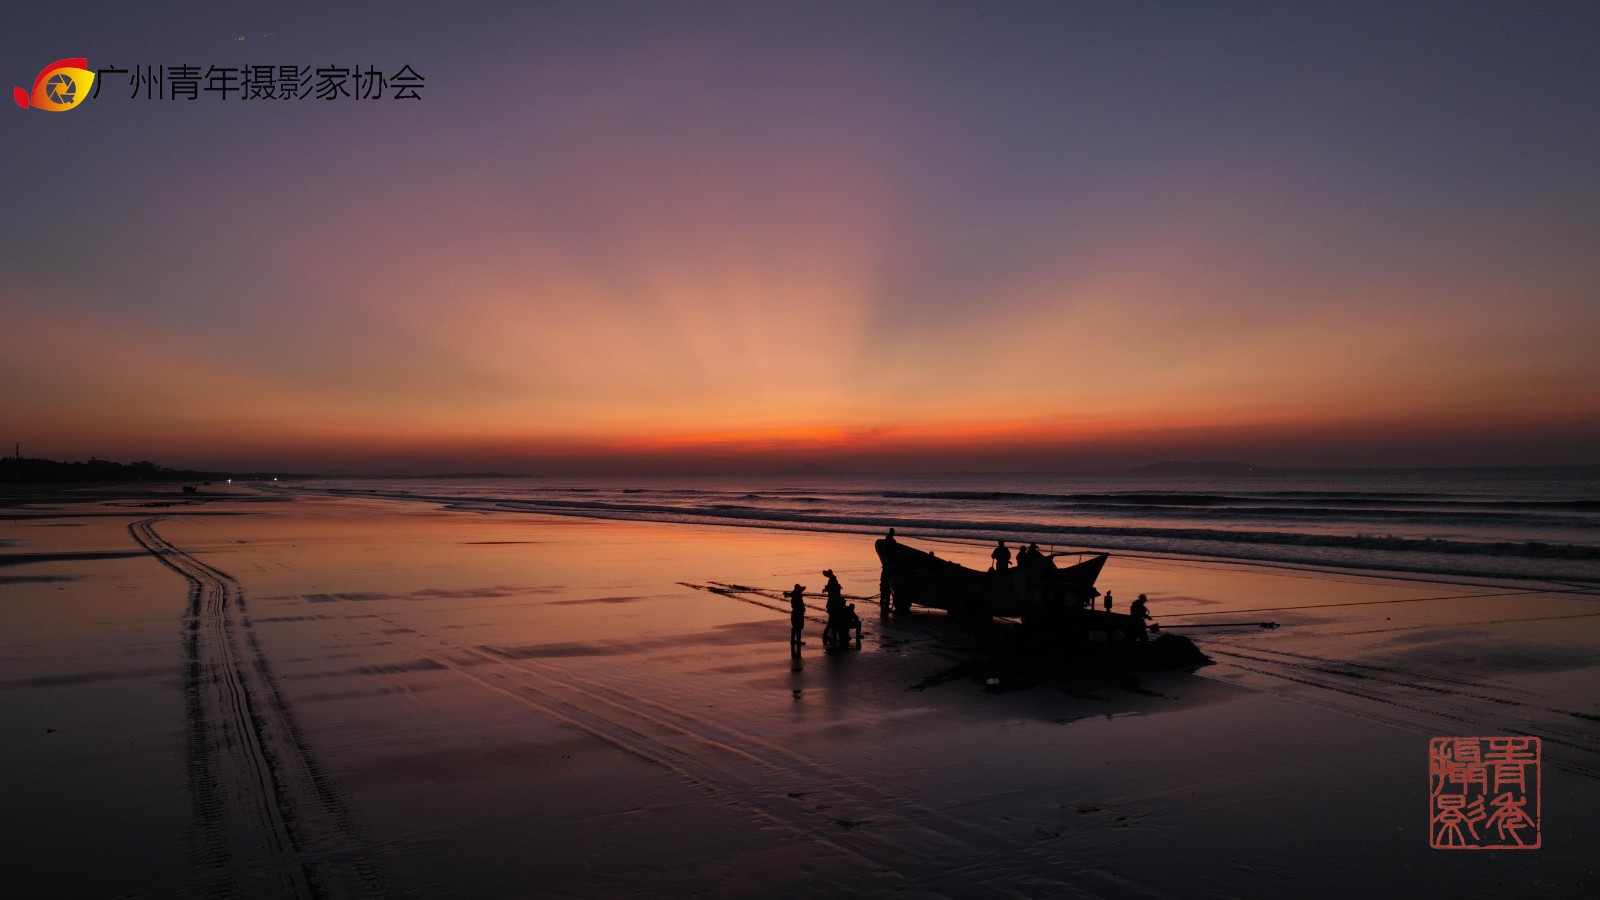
x: 21, y: 469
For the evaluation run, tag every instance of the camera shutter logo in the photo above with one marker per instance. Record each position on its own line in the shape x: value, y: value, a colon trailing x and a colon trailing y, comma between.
x: 60, y: 86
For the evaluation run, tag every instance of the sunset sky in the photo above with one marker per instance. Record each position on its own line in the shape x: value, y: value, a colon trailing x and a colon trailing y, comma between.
x: 875, y: 236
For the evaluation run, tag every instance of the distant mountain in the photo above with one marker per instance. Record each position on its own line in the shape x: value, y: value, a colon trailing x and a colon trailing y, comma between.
x: 1179, y: 467
x: 420, y: 476
x: 806, y: 469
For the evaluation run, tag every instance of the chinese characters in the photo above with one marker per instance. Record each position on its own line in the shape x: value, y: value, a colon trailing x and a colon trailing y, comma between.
x: 263, y: 82
x: 1484, y: 793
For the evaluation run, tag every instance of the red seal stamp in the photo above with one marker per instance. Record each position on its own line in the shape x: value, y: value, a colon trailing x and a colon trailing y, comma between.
x: 1483, y: 793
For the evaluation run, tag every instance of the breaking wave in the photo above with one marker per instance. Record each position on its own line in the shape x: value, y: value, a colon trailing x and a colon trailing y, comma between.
x: 1462, y: 524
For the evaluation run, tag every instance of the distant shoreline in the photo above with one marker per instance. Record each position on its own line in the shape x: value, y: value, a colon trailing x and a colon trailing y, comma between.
x: 14, y: 470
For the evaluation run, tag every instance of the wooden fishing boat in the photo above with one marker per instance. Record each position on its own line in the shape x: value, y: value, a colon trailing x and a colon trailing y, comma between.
x: 1036, y: 591
x: 1054, y: 602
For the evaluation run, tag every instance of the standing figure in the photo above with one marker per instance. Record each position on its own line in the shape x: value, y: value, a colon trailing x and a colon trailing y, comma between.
x: 1108, y: 601
x: 1002, y: 556
x: 1140, y: 613
x: 836, y: 631
x: 797, y: 617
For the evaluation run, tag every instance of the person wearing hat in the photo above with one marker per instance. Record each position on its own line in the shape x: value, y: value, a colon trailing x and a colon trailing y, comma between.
x: 1140, y: 612
x: 797, y: 617
x: 834, y: 631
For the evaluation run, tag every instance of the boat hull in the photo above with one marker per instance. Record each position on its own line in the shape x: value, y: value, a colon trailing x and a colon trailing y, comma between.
x: 1037, y: 592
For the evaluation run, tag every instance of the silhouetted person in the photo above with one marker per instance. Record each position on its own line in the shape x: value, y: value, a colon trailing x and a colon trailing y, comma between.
x: 1108, y: 601
x: 885, y: 593
x: 1001, y: 556
x: 836, y: 631
x: 890, y: 536
x: 1140, y: 613
x: 833, y: 590
x: 797, y: 616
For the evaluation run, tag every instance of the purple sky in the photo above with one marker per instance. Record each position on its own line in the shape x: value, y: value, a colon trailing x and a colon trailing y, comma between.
x: 882, y: 236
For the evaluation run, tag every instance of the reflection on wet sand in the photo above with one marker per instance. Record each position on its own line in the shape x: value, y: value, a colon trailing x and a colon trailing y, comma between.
x: 611, y: 708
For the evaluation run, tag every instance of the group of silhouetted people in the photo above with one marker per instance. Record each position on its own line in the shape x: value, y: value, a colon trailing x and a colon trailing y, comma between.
x: 842, y: 618
x: 1139, y: 610
x: 1028, y: 555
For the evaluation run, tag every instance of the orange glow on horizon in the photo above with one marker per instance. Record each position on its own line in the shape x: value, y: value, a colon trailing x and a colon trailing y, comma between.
x: 167, y: 396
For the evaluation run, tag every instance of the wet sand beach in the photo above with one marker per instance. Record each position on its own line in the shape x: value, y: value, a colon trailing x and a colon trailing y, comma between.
x: 260, y: 694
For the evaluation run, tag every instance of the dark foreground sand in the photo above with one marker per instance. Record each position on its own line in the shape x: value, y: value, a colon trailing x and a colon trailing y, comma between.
x: 260, y: 696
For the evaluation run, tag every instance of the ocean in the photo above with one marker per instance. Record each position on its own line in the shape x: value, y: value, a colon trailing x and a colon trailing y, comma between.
x: 1541, y: 523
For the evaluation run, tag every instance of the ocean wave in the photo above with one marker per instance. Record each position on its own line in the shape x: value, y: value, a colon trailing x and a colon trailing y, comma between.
x: 725, y: 513
x: 1538, y: 526
x: 1267, y: 499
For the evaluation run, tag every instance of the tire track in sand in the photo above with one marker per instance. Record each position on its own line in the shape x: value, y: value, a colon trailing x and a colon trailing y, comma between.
x: 268, y: 821
x: 1424, y: 702
x: 911, y: 847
